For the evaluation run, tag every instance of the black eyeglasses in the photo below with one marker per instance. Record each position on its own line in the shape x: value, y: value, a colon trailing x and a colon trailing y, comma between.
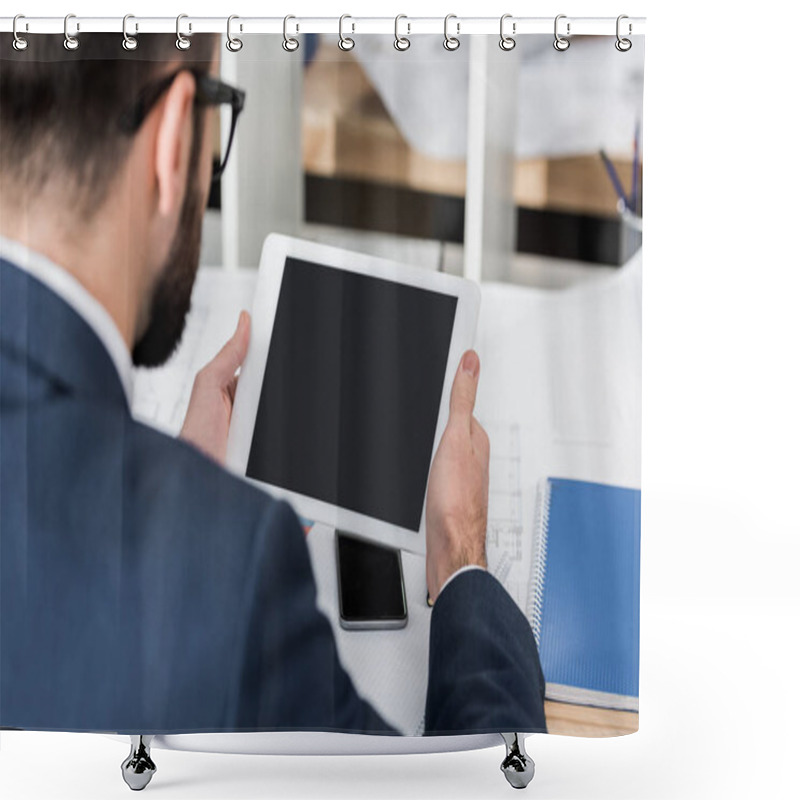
x: 209, y: 92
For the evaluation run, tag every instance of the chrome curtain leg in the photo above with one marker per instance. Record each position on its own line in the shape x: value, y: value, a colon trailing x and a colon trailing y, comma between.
x: 517, y: 766
x: 138, y: 768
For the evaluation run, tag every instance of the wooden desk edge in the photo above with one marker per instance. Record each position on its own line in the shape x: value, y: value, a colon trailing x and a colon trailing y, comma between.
x: 568, y: 719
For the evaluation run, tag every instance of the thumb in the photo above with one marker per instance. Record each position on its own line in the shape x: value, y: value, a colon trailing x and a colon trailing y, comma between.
x: 465, y: 387
x: 223, y: 366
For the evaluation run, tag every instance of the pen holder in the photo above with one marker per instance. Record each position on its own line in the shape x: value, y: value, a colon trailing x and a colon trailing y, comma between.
x: 630, y: 233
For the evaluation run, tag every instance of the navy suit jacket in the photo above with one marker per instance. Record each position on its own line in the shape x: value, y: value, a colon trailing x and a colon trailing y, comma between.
x: 143, y: 589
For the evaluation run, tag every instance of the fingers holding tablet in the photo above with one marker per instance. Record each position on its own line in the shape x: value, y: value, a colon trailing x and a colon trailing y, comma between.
x: 346, y: 389
x: 458, y: 491
x: 208, y: 416
x: 465, y: 388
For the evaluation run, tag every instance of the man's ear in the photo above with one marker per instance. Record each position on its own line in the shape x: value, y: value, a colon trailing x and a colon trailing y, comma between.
x: 174, y: 143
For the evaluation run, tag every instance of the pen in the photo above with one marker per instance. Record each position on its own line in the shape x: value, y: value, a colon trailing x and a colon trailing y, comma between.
x: 612, y: 173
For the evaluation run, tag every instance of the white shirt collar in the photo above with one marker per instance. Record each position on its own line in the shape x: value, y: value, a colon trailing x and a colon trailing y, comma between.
x: 70, y: 290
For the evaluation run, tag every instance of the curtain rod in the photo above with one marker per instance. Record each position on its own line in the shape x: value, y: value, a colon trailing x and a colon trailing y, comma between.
x: 407, y: 26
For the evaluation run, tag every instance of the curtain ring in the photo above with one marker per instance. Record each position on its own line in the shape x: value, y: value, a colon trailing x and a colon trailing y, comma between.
x: 507, y: 42
x: 233, y: 44
x: 19, y: 43
x: 345, y: 42
x: 289, y: 44
x: 129, y: 42
x: 560, y: 43
x: 182, y: 43
x: 401, y: 43
x: 451, y: 43
x: 623, y: 45
x: 70, y: 42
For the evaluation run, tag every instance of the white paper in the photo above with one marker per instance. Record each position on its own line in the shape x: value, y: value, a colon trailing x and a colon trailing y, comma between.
x: 161, y: 396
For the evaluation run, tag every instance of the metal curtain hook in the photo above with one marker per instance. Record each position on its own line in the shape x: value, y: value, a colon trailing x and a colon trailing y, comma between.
x: 451, y: 42
x: 507, y: 42
x: 623, y: 45
x: 182, y: 43
x: 560, y: 43
x: 70, y: 42
x: 129, y: 42
x: 290, y: 44
x: 233, y: 44
x: 19, y: 43
x: 345, y: 42
x: 401, y: 43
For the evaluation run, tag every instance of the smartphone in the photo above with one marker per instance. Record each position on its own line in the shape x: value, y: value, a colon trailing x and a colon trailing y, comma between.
x: 372, y: 594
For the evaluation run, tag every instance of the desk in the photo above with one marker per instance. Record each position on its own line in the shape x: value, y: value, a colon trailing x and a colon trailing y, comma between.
x: 559, y: 395
x: 572, y: 720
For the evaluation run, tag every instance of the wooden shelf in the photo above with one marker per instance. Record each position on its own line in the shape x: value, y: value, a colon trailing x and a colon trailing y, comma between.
x: 349, y: 134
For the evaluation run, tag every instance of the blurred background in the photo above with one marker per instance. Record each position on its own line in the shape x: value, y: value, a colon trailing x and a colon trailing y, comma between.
x: 521, y: 166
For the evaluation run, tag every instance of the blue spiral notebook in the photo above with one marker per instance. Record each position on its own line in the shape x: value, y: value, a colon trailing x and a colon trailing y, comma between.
x: 584, y: 592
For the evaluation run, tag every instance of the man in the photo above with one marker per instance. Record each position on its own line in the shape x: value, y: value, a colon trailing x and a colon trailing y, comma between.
x: 143, y: 588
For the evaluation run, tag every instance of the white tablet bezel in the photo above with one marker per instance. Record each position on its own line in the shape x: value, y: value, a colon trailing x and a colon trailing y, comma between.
x: 248, y: 392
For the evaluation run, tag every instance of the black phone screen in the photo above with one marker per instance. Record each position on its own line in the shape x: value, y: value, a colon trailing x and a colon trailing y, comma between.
x: 370, y: 581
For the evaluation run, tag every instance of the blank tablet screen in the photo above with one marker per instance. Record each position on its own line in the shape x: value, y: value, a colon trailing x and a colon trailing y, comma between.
x: 351, y: 391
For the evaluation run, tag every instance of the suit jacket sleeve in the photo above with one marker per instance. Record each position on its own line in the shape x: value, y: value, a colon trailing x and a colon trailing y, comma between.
x: 290, y: 676
x: 484, y: 672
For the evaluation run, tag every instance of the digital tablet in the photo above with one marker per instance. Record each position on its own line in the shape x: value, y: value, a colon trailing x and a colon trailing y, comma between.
x: 345, y: 391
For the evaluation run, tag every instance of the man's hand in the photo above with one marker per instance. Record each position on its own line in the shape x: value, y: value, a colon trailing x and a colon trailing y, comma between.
x: 458, y: 491
x: 209, y: 414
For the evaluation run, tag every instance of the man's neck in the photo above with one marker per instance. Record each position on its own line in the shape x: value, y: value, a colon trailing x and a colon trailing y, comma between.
x: 100, y: 256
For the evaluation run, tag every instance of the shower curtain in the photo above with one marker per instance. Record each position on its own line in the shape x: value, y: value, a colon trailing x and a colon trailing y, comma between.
x: 147, y: 586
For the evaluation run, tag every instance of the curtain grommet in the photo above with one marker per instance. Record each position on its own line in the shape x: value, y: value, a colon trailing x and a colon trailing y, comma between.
x: 507, y: 43
x: 182, y: 42
x: 560, y: 43
x: 71, y: 43
x: 451, y: 43
x: 346, y: 43
x: 19, y: 44
x: 622, y: 44
x: 233, y: 44
x: 289, y: 44
x: 401, y: 43
x: 129, y: 42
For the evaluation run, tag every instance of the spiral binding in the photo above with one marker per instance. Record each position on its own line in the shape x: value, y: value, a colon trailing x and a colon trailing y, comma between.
x: 454, y: 27
x: 539, y: 561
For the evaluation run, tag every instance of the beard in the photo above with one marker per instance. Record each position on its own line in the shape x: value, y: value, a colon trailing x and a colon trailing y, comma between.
x: 172, y: 294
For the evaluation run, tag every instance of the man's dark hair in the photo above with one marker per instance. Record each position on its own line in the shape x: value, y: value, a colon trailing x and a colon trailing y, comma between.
x: 60, y: 110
